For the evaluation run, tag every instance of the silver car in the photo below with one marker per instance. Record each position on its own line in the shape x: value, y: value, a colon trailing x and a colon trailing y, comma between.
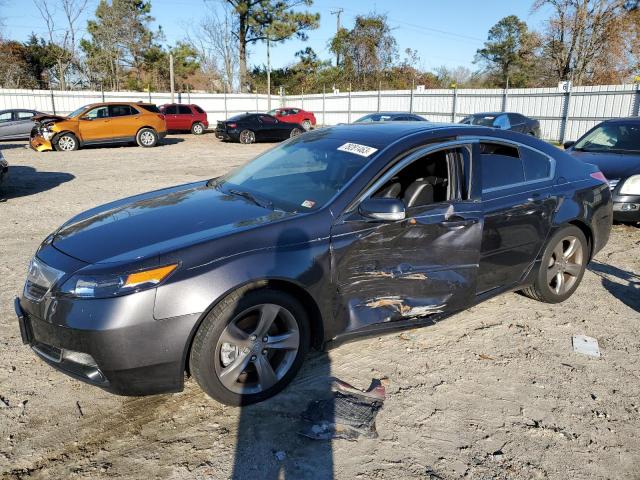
x: 16, y: 123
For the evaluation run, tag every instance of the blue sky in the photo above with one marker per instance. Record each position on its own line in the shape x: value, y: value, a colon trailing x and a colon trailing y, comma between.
x: 444, y: 32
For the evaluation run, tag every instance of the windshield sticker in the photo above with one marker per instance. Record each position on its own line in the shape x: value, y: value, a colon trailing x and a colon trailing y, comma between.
x: 361, y: 150
x: 308, y: 203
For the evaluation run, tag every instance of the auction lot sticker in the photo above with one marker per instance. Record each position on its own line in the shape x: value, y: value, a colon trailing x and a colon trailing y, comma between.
x: 358, y: 149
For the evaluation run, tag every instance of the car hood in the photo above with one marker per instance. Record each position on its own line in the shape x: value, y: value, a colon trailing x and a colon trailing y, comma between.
x: 158, y: 222
x: 613, y: 165
x: 45, y: 117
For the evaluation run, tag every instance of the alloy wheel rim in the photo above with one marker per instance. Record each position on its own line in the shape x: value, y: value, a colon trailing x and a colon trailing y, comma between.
x: 66, y: 143
x: 197, y: 129
x: 295, y: 132
x: 247, y: 137
x: 146, y: 138
x: 257, y: 349
x: 565, y: 265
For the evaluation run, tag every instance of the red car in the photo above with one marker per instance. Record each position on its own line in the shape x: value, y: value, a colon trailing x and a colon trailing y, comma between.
x: 185, y: 117
x: 294, y: 115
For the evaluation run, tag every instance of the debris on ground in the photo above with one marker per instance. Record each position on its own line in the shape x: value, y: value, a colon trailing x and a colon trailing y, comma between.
x: 349, y: 414
x: 586, y: 345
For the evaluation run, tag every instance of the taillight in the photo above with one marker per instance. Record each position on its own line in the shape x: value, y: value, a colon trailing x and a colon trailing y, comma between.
x: 599, y: 176
x: 232, y: 125
x: 161, y: 116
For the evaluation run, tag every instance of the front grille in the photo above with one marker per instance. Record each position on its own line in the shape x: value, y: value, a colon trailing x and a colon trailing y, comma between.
x: 613, y: 183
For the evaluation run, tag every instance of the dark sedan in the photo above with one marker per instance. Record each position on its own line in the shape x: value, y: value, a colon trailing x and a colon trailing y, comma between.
x: 614, y: 146
x: 338, y: 233
x: 505, y: 121
x: 391, y: 117
x: 256, y: 127
x: 4, y: 168
x: 16, y: 124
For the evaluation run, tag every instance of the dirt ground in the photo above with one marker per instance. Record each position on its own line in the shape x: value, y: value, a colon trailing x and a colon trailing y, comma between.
x: 494, y: 392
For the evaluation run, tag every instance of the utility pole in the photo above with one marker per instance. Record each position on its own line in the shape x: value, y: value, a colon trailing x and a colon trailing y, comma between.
x: 268, y: 75
x: 337, y: 12
x: 173, y: 89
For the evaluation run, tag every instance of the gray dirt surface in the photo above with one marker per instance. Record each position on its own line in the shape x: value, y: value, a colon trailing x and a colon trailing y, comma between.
x: 493, y: 392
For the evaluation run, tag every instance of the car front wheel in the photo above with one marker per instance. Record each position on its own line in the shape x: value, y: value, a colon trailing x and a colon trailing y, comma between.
x: 562, y: 267
x: 250, y: 346
x: 66, y: 142
x: 147, y: 137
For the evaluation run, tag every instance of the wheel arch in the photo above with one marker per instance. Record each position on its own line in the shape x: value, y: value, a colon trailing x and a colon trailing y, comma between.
x: 586, y: 230
x: 285, y: 285
x: 146, y: 126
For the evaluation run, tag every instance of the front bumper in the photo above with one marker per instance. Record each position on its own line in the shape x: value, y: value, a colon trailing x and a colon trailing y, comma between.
x: 626, y: 208
x: 4, y: 168
x: 115, y: 343
x: 40, y: 144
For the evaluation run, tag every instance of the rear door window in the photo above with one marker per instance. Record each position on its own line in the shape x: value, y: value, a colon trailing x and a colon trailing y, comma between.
x: 184, y: 110
x: 501, y: 166
x: 267, y: 119
x: 537, y: 166
x: 25, y: 115
x: 121, y: 111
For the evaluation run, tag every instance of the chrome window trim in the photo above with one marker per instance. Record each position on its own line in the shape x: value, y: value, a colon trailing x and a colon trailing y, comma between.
x: 518, y: 145
x: 420, y: 152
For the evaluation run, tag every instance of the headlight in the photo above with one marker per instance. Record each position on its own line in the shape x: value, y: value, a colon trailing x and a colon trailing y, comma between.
x: 47, y: 133
x: 40, y: 279
x: 105, y: 286
x: 631, y: 186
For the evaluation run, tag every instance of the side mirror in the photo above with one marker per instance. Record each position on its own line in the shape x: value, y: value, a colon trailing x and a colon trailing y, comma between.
x: 84, y: 118
x: 568, y: 145
x: 387, y: 209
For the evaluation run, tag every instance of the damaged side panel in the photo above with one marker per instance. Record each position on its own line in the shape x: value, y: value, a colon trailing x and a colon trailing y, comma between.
x: 414, y: 268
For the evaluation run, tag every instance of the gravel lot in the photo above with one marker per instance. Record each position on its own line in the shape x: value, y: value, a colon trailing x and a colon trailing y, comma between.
x: 494, y: 392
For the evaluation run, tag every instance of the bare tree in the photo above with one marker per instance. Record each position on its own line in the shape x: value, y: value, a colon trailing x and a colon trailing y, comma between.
x: 64, y: 39
x: 217, y: 47
x: 581, y: 36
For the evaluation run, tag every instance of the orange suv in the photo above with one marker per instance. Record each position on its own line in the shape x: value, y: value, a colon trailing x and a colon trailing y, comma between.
x: 99, y: 123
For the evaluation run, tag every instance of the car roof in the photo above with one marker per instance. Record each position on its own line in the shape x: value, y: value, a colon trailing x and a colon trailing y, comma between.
x: 381, y: 134
x: 623, y: 120
x: 391, y: 113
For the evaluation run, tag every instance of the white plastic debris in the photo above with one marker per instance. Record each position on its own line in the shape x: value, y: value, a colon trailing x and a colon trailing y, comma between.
x: 586, y: 345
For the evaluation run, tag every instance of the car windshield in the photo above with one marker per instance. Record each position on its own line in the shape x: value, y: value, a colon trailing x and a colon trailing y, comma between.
x: 612, y: 137
x: 482, y: 120
x: 301, y: 175
x: 77, y: 112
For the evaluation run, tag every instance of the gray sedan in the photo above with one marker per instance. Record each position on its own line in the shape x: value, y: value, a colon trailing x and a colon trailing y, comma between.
x: 16, y: 123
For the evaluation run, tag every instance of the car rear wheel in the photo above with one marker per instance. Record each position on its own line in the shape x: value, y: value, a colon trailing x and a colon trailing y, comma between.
x: 295, y: 132
x: 562, y: 267
x: 306, y: 125
x: 247, y: 136
x: 147, y: 137
x: 197, y: 128
x: 250, y: 346
x: 66, y: 142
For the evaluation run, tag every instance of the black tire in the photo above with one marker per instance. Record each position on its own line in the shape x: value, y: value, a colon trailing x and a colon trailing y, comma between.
x: 246, y: 137
x: 147, y: 137
x: 197, y: 128
x: 66, y: 142
x: 204, y: 350
x: 541, y: 289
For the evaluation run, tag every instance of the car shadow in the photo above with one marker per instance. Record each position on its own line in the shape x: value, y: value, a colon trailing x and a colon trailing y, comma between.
x: 12, y: 146
x: 23, y: 181
x: 269, y: 442
x: 627, y: 291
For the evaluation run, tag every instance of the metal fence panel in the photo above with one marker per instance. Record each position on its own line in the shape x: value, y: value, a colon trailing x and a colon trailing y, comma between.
x: 562, y: 116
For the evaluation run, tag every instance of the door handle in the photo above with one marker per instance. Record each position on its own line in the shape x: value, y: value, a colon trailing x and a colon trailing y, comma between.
x: 456, y: 221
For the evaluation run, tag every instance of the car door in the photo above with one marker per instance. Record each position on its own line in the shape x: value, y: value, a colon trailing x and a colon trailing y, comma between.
x: 123, y: 124
x: 184, y: 117
x: 270, y: 128
x: 95, y: 124
x: 7, y: 124
x: 171, y: 117
x: 518, y: 204
x: 424, y: 265
x: 23, y: 122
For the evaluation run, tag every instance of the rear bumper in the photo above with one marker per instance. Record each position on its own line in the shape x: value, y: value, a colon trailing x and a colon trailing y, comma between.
x: 222, y: 135
x: 114, y: 344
